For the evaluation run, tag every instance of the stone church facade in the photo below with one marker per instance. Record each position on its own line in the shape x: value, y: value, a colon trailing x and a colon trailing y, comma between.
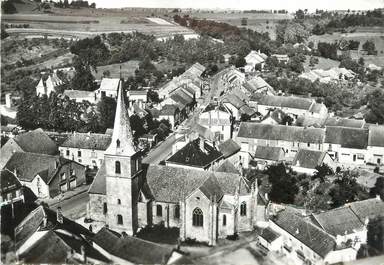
x: 204, y: 205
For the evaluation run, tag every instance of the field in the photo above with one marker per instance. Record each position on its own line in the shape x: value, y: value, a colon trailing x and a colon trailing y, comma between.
x: 362, y: 35
x: 127, y: 70
x: 261, y: 22
x: 324, y: 63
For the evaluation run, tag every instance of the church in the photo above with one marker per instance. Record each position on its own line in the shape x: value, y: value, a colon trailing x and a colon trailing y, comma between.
x: 204, y: 205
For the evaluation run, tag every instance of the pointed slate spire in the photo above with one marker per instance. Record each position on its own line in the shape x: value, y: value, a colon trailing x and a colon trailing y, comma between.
x: 122, y: 139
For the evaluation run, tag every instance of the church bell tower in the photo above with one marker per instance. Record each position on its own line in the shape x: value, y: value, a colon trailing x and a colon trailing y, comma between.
x: 123, y: 167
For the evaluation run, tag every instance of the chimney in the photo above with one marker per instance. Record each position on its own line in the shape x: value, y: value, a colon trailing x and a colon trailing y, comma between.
x: 201, y: 144
x: 8, y: 100
x: 59, y: 216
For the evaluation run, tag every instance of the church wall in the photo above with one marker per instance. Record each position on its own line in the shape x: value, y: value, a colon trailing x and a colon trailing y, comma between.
x: 96, y: 207
x: 168, y: 214
x: 197, y: 199
x: 244, y: 222
x: 229, y: 228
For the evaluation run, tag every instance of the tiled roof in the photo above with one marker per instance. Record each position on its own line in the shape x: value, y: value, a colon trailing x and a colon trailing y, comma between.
x: 93, y: 141
x: 234, y: 100
x: 269, y: 153
x: 28, y: 165
x: 227, y: 167
x: 9, y: 181
x: 257, y: 83
x: 308, y: 158
x: 269, y: 235
x: 36, y: 142
x: 376, y: 136
x: 284, y: 102
x: 132, y: 249
x: 304, y: 231
x: 245, y: 109
x: 369, y: 208
x: 173, y: 184
x: 281, y: 132
x: 347, y: 137
x: 256, y: 57
x: 29, y: 225
x: 168, y: 110
x: 343, y: 122
x: 229, y: 147
x: 192, y: 155
x: 181, y: 97
x: 98, y: 185
x: 109, y: 84
x: 339, y: 221
x: 137, y: 92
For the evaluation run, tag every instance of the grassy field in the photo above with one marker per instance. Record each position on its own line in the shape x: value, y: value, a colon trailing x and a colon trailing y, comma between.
x: 362, y: 35
x: 127, y: 69
x: 324, y: 64
x: 258, y: 22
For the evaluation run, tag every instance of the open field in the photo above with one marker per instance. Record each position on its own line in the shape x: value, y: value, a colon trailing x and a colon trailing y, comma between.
x: 259, y: 22
x: 362, y: 35
x: 324, y: 63
x: 127, y: 70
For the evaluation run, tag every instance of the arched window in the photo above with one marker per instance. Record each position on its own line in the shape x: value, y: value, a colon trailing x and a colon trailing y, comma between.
x: 105, y: 209
x: 177, y: 212
x: 197, y: 217
x: 119, y: 219
x: 159, y: 210
x: 243, y: 209
x: 118, y: 201
x: 117, y: 167
x: 224, y: 220
x: 117, y: 143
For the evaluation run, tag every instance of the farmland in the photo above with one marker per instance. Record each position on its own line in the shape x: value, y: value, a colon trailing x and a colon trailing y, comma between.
x: 127, y: 70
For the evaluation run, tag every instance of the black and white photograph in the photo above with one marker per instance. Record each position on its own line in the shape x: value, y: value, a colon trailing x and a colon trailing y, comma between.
x: 205, y: 132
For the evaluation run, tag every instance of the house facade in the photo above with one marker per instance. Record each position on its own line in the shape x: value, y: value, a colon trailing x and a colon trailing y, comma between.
x: 218, y: 120
x: 85, y: 148
x: 48, y: 85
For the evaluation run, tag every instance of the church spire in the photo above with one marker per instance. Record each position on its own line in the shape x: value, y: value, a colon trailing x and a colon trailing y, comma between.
x: 122, y: 139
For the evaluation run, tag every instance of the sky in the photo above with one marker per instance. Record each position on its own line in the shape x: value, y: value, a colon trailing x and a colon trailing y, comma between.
x: 290, y: 5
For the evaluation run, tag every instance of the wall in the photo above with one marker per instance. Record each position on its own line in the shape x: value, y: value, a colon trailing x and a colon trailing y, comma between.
x: 168, y: 214
x: 235, y: 112
x: 375, y: 154
x: 33, y: 185
x: 229, y: 228
x: 96, y: 207
x: 88, y: 157
x: 78, y: 174
x: 342, y: 255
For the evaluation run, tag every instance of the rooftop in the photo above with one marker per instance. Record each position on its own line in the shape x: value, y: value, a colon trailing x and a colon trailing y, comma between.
x: 269, y: 153
x: 36, y: 141
x: 347, y: 137
x: 93, y: 141
x: 9, y: 181
x: 308, y: 158
x: 284, y: 102
x: 344, y: 122
x: 109, y: 84
x: 376, y: 136
x: 269, y: 235
x: 228, y: 148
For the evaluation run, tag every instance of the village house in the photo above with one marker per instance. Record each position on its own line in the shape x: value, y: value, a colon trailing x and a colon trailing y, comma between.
x: 290, y: 138
x: 347, y: 146
x: 274, y: 117
x: 305, y: 243
x: 267, y: 155
x: 11, y: 188
x: 45, y: 236
x: 270, y: 240
x: 10, y: 130
x: 281, y: 58
x: 108, y: 87
x: 36, y: 141
x: 344, y: 122
x: 233, y: 77
x: 183, y: 100
x: 331, y: 75
x: 253, y: 60
x: 375, y: 149
x: 81, y: 96
x: 170, y: 113
x: 306, y: 161
x: 294, y: 106
x: 86, y: 148
x: 237, y: 106
x: 258, y: 85
x: 205, y: 205
x: 197, y: 154
x: 138, y: 96
x: 47, y: 85
x: 133, y: 250
x: 217, y: 119
x: 46, y: 175
x: 9, y: 109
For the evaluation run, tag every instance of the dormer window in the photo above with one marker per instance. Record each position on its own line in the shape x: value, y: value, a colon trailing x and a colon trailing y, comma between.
x: 117, y: 143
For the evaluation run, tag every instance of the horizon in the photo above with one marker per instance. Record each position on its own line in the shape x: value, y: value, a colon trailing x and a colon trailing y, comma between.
x: 244, y: 4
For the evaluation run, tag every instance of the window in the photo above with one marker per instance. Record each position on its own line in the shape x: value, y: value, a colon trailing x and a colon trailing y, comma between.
x: 105, y: 209
x: 71, y: 172
x: 309, y: 144
x: 117, y: 143
x: 79, y: 160
x: 159, y: 210
x: 224, y: 220
x: 119, y: 219
x: 117, y: 167
x: 67, y: 152
x: 197, y: 217
x: 177, y: 212
x: 79, y: 153
x: 62, y: 176
x: 118, y: 201
x: 243, y: 209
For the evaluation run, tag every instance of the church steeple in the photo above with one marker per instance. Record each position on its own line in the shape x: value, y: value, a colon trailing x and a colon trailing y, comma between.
x: 122, y: 139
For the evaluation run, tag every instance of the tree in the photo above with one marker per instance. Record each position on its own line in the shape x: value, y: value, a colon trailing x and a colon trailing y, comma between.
x: 153, y: 96
x: 318, y: 30
x: 327, y: 50
x: 8, y: 7
x: 295, y: 64
x: 83, y: 78
x: 354, y: 44
x: 378, y: 189
x: 375, y: 234
x: 106, y: 109
x: 299, y: 14
x: 284, y: 184
x: 375, y: 105
x: 370, y: 47
x: 240, y: 62
x: 322, y: 171
x: 4, y: 34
